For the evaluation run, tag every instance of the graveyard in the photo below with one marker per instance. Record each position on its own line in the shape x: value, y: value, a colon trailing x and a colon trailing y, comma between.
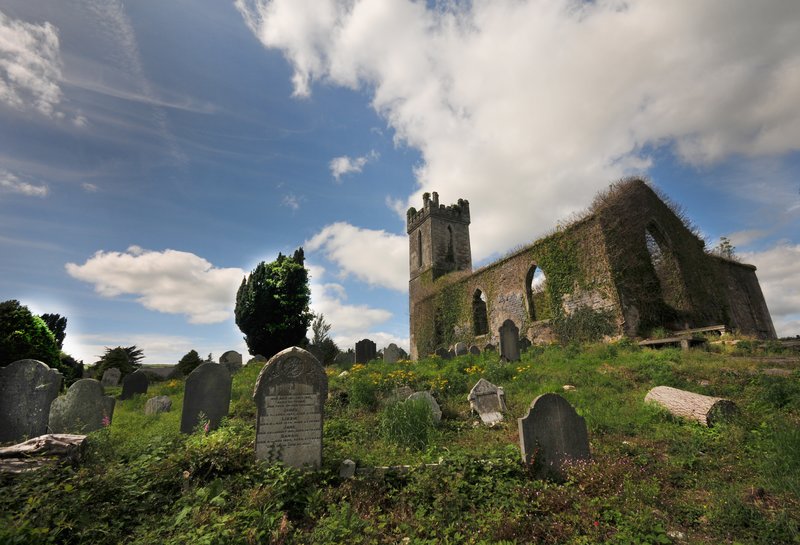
x: 390, y: 471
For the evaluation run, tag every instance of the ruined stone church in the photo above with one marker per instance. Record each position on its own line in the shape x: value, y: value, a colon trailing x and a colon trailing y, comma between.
x: 630, y: 266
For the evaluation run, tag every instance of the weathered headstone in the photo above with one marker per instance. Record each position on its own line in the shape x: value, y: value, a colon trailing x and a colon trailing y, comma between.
x: 489, y: 348
x: 111, y: 377
x: 509, y: 341
x: 27, y: 388
x: 391, y: 354
x: 290, y: 395
x: 488, y: 400
x: 207, y: 396
x: 365, y: 351
x: 135, y: 383
x: 552, y: 434
x: 347, y: 357
x: 157, y: 404
x: 257, y: 359
x: 84, y: 408
x: 474, y: 350
x: 232, y: 360
x: 460, y: 349
x: 443, y: 353
x: 524, y: 344
x: 436, y: 411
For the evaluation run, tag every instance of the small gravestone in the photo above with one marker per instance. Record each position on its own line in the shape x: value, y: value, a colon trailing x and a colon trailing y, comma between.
x: 552, y: 434
x: 135, y: 383
x: 27, y: 388
x: 489, y: 348
x: 365, y: 351
x: 157, y: 405
x: 436, y: 411
x: 460, y: 349
x: 474, y: 350
x: 232, y: 360
x: 488, y: 400
x: 391, y: 354
x: 257, y: 359
x: 84, y: 408
x: 290, y: 395
x: 111, y: 377
x: 443, y: 353
x: 207, y: 397
x: 509, y: 341
x: 524, y: 344
x: 345, y: 358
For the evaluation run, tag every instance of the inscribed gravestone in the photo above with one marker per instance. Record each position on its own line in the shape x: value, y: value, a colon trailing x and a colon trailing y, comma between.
x: 135, y: 383
x: 27, y: 388
x: 111, y: 377
x: 509, y: 341
x: 488, y: 401
x: 232, y: 360
x: 436, y: 411
x: 443, y: 353
x: 83, y: 409
x: 365, y: 351
x: 391, y: 353
x: 207, y: 396
x: 157, y: 405
x: 290, y: 395
x: 551, y: 434
x: 460, y: 349
x: 474, y: 350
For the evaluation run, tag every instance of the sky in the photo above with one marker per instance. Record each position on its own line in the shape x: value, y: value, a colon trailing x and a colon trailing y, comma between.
x: 152, y: 153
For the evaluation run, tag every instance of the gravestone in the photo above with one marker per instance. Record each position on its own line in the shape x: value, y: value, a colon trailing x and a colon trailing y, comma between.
x: 111, y: 377
x: 27, y: 388
x: 488, y: 400
x: 443, y: 353
x: 290, y: 396
x: 84, y: 408
x: 509, y: 341
x: 348, y: 357
x: 489, y: 348
x: 365, y: 351
x: 436, y: 411
x: 135, y: 383
x: 206, y: 397
x: 474, y: 350
x: 524, y: 344
x: 232, y: 360
x: 391, y: 354
x: 551, y: 434
x: 157, y: 404
x: 257, y: 359
x: 460, y: 349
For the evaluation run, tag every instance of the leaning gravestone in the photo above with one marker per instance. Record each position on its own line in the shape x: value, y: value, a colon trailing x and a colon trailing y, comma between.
x: 474, y: 350
x: 135, y: 383
x: 207, y: 396
x: 443, y: 353
x: 232, y: 360
x: 391, y: 354
x: 290, y: 396
x: 460, y: 349
x: 111, y: 377
x: 488, y: 400
x: 27, y: 388
x: 509, y: 341
x: 365, y: 351
x: 85, y: 408
x: 552, y: 434
x: 436, y: 411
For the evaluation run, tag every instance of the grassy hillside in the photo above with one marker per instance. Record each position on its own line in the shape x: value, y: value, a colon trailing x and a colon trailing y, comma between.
x: 653, y: 478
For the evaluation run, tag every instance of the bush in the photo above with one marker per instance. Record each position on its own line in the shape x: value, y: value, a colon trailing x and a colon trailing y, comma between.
x: 25, y: 336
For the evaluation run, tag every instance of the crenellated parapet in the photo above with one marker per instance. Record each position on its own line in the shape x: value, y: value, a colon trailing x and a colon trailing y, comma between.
x: 458, y: 213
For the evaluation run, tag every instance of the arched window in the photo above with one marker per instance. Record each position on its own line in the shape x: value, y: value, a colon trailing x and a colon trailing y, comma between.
x: 419, y: 248
x: 666, y: 267
x: 480, y: 319
x: 535, y: 280
x: 451, y: 257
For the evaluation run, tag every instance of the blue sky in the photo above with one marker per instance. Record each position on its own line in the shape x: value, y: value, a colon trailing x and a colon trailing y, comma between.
x: 151, y: 153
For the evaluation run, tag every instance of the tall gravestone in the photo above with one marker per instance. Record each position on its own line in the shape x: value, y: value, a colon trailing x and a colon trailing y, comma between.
x: 365, y: 351
x: 232, y: 360
x: 27, y: 388
x: 509, y: 341
x: 84, y: 408
x: 111, y: 377
x: 290, y: 396
x: 551, y: 434
x: 207, y: 396
x: 391, y: 354
x: 488, y: 400
x: 135, y: 383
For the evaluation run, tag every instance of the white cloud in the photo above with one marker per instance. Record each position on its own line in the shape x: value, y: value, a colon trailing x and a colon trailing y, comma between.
x: 343, y: 165
x: 9, y: 183
x: 170, y: 281
x: 527, y: 108
x: 30, y: 65
x: 89, y: 188
x: 779, y: 277
x: 290, y: 200
x: 376, y: 257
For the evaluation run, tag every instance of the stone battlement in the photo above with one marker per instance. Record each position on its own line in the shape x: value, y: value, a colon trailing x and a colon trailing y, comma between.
x: 458, y: 212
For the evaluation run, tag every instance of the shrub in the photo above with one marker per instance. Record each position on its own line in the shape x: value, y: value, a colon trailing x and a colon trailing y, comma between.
x: 408, y: 424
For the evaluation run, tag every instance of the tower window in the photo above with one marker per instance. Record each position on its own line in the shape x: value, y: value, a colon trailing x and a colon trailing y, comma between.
x: 451, y: 258
x: 419, y: 248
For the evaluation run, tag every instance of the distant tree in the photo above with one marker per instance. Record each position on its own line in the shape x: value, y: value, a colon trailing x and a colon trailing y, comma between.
x: 71, y: 368
x: 58, y: 325
x: 25, y: 336
x: 189, y: 362
x: 272, y: 305
x: 126, y: 359
x: 725, y: 249
x: 321, y: 344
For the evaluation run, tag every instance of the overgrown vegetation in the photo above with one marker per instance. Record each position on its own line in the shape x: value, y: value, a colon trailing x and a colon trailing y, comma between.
x: 653, y: 478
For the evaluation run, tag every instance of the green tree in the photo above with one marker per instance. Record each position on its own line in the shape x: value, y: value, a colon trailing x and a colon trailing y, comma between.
x: 58, y: 325
x: 322, y: 346
x: 25, y: 336
x: 126, y: 359
x: 189, y: 362
x: 272, y: 305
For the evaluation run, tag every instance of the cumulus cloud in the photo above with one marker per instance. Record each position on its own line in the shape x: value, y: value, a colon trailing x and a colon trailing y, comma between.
x: 527, y: 108
x: 30, y: 65
x: 354, y: 250
x: 779, y: 277
x: 343, y: 165
x: 9, y: 183
x: 169, y: 281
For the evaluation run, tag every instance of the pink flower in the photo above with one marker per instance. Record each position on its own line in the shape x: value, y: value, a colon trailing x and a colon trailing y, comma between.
x: 106, y: 421
x: 596, y: 523
x: 205, y: 428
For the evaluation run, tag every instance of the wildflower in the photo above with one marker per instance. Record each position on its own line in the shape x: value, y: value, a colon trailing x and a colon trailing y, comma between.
x: 206, y: 426
x: 106, y: 421
x: 596, y: 523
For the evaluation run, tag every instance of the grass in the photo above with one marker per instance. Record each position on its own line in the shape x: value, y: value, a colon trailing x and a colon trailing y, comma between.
x: 652, y: 477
